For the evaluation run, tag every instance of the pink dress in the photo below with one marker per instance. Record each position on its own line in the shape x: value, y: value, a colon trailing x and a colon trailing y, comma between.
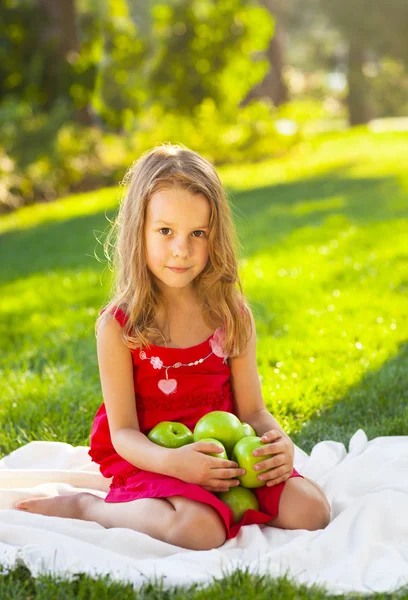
x: 199, y: 389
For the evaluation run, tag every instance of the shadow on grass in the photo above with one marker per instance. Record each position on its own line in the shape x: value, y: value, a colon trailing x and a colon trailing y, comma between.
x: 264, y: 217
x: 378, y: 404
x: 53, y: 247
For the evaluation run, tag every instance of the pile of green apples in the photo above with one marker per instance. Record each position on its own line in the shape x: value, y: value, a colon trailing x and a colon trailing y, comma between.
x: 238, y: 441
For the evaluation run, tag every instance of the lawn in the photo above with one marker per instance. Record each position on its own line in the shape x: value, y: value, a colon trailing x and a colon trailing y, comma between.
x: 324, y: 264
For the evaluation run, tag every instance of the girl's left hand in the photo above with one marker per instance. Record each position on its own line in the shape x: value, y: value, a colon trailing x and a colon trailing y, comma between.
x: 281, y: 464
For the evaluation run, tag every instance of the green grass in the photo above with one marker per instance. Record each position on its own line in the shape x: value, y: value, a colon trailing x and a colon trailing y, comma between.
x: 324, y: 265
x: 239, y: 585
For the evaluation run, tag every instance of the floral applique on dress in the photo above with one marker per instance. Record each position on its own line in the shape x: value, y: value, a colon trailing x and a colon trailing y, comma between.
x: 217, y: 344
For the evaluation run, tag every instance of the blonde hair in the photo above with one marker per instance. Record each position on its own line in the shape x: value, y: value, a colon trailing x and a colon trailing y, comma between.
x: 134, y: 290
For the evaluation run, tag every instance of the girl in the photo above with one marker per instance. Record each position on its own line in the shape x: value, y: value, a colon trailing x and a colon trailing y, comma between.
x: 176, y: 341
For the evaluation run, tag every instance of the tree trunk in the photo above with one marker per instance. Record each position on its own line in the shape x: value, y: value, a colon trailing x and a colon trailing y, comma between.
x: 60, y: 35
x: 357, y: 98
x: 274, y: 82
x: 60, y: 25
x: 273, y: 85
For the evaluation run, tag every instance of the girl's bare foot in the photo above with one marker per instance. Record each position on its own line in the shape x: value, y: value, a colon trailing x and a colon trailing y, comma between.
x: 69, y: 506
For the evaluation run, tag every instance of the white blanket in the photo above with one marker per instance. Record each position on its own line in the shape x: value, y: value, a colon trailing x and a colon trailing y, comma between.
x: 364, y: 549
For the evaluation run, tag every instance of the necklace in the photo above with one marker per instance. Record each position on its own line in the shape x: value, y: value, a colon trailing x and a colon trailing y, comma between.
x: 169, y: 386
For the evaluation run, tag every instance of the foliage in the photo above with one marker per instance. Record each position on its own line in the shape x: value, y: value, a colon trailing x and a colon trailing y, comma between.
x: 121, y: 86
x: 48, y: 156
x: 171, y: 70
x: 204, y: 50
x: 33, y: 66
x: 129, y: 57
x: 21, y: 67
x: 389, y: 86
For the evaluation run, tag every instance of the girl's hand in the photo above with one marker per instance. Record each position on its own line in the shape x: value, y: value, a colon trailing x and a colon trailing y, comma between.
x: 280, y: 465
x: 190, y: 463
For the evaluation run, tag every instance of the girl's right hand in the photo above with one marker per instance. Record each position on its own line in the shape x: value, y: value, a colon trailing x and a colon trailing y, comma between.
x: 192, y: 464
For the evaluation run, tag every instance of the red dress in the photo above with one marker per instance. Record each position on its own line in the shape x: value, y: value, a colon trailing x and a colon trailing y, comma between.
x: 201, y: 388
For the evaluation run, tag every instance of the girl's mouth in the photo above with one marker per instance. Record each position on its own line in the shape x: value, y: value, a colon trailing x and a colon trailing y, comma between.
x: 177, y: 270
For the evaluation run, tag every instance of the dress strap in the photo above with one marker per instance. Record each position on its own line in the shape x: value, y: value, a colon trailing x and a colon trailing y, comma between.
x: 118, y: 313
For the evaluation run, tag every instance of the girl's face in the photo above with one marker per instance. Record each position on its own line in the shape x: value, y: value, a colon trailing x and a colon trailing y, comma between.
x: 176, y: 235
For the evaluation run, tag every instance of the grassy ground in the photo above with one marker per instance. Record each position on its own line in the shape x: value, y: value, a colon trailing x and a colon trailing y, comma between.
x: 324, y: 265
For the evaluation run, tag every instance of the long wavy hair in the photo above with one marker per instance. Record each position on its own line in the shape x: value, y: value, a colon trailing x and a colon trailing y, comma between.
x: 134, y: 290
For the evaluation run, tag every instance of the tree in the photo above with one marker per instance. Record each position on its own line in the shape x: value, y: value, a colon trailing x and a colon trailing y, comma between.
x: 362, y: 25
x: 273, y: 85
x: 59, y: 37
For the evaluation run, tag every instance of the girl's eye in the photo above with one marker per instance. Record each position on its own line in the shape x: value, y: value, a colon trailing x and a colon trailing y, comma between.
x: 198, y: 230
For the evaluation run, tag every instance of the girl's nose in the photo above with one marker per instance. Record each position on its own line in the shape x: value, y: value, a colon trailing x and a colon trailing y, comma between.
x: 181, y: 249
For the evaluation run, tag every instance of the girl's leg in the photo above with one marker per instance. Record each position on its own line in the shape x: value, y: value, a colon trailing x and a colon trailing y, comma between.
x: 302, y: 505
x: 198, y: 526
x: 154, y: 516
x: 176, y: 520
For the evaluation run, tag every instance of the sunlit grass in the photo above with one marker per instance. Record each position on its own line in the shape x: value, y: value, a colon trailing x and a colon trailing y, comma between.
x: 324, y: 264
x: 64, y: 209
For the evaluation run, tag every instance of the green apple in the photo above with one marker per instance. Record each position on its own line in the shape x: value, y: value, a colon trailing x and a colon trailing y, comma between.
x: 221, y: 425
x: 248, y: 429
x: 171, y: 434
x: 239, y: 499
x: 222, y: 454
x: 242, y: 454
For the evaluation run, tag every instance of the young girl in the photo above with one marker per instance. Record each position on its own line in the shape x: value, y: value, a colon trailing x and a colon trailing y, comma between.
x: 176, y: 341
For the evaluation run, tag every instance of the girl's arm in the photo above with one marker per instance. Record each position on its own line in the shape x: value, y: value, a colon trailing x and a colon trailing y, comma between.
x: 263, y: 421
x: 246, y: 387
x: 116, y: 374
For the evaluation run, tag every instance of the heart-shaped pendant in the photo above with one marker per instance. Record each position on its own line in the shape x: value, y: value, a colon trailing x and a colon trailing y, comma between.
x: 167, y: 386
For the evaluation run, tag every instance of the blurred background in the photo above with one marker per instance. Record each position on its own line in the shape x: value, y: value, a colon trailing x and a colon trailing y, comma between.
x: 86, y: 86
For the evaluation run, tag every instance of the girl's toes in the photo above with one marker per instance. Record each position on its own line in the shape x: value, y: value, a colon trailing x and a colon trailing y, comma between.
x: 28, y: 505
